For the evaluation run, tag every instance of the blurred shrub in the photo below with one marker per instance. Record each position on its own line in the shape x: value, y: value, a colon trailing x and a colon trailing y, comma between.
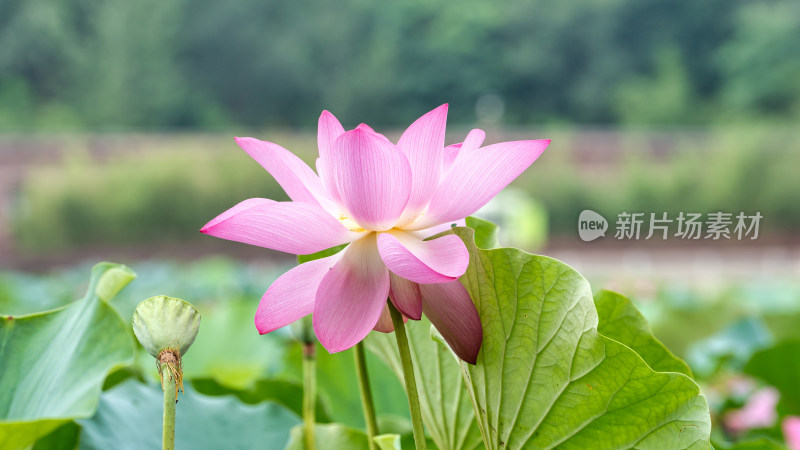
x: 166, y: 194
x: 745, y: 170
x: 659, y: 97
x: 760, y: 76
x: 138, y: 197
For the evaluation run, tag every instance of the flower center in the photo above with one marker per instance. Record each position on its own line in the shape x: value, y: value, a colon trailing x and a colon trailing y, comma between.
x: 349, y: 223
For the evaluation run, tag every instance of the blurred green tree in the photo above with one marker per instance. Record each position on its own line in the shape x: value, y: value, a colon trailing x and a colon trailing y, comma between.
x: 113, y: 64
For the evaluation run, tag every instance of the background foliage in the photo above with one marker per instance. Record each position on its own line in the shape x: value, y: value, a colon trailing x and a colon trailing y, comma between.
x: 115, y: 64
x: 165, y: 189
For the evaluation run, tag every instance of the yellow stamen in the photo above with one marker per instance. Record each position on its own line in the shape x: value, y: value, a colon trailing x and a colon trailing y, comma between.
x: 349, y: 223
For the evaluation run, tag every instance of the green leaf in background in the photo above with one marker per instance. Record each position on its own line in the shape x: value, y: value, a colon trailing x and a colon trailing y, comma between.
x: 522, y: 221
x: 64, y: 437
x: 331, y: 436
x: 546, y: 378
x: 229, y: 349
x: 334, y: 436
x: 388, y: 442
x: 485, y: 232
x: 287, y: 393
x: 337, y: 385
x: 444, y: 400
x: 730, y: 347
x: 53, y: 363
x: 129, y: 417
x: 620, y: 320
x: 321, y: 254
x: 779, y: 366
x: 783, y: 325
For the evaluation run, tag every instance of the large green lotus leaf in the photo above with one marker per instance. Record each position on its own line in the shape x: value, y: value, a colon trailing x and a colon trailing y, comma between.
x: 130, y: 417
x: 52, y: 364
x: 620, y: 320
x: 62, y: 438
x: 334, y: 436
x: 485, y: 232
x: 546, y: 378
x: 779, y: 366
x: 444, y: 401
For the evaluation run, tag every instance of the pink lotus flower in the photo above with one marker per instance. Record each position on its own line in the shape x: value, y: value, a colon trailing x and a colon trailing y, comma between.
x: 758, y: 412
x: 791, y: 432
x: 384, y: 200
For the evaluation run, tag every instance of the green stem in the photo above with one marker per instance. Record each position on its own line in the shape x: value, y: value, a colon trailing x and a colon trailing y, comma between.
x: 408, y: 376
x: 366, y: 395
x: 170, y: 399
x: 309, y: 392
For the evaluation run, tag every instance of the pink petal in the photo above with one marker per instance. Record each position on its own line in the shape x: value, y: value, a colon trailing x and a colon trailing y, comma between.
x: 373, y: 178
x: 405, y: 296
x: 329, y: 129
x: 791, y: 432
x: 436, y: 229
x: 385, y: 324
x: 294, y: 176
x: 239, y: 207
x: 452, y: 312
x: 423, y: 145
x: 365, y: 127
x: 758, y: 412
x: 437, y: 261
x: 476, y: 177
x: 329, y: 181
x: 351, y: 296
x: 292, y: 227
x: 473, y: 141
x: 449, y: 157
x: 292, y: 295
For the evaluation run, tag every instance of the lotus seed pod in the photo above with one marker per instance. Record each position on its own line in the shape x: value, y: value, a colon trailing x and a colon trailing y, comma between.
x: 164, y: 322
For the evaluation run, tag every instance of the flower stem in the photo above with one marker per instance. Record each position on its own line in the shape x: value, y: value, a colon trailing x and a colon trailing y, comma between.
x: 309, y: 392
x: 366, y: 395
x: 170, y: 399
x: 170, y: 369
x: 408, y: 376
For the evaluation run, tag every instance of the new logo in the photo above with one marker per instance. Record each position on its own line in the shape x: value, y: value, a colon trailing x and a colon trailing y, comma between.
x: 591, y: 225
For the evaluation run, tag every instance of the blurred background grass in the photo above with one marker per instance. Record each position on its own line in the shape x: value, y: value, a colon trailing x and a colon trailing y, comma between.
x: 117, y: 119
